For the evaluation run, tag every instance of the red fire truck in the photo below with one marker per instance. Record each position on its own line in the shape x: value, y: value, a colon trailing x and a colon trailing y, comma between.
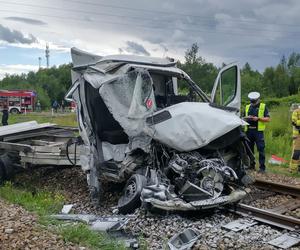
x: 18, y: 101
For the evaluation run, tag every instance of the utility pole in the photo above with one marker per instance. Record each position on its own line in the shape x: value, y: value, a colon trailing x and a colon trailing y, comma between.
x: 47, y: 54
x: 40, y: 60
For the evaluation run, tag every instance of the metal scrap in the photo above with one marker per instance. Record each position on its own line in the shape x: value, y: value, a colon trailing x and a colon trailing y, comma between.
x: 286, y: 240
x: 184, y: 240
x: 240, y: 224
x: 113, y: 225
x: 40, y: 144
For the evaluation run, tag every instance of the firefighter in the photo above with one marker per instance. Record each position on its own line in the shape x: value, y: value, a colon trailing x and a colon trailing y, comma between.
x: 5, y: 115
x: 295, y: 161
x: 257, y: 115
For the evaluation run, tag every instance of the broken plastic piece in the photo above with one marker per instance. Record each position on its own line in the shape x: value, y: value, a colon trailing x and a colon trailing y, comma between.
x: 109, y: 224
x: 276, y: 160
x: 66, y: 208
x: 87, y: 218
x: 184, y: 240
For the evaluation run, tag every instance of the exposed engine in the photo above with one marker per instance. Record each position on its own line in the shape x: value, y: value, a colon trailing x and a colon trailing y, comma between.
x: 196, y: 177
x: 191, y: 181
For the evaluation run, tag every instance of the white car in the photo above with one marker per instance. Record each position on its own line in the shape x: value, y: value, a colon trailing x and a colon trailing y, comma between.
x: 145, y: 123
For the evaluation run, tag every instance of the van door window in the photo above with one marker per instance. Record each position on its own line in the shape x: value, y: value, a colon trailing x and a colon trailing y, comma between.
x: 226, y: 89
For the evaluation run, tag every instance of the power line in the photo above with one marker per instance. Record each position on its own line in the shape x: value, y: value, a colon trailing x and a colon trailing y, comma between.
x: 135, y: 17
x: 136, y: 25
x: 173, y: 13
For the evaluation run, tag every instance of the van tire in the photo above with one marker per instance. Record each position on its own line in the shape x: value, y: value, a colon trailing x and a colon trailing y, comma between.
x: 130, y: 199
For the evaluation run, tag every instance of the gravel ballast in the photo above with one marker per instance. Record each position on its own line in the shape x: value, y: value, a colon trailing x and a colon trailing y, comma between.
x: 154, y: 230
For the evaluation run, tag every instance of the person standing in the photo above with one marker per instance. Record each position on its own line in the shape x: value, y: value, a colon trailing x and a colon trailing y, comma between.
x: 257, y: 115
x: 295, y: 159
x: 55, y: 106
x: 5, y: 115
x: 38, y: 106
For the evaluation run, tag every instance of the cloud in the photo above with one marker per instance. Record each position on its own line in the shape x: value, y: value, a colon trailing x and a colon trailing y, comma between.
x: 16, y: 69
x: 38, y: 44
x: 254, y: 31
x: 26, y: 20
x: 134, y: 48
x: 15, y: 36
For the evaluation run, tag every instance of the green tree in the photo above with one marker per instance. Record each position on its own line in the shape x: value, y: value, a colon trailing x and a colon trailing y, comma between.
x: 201, y: 72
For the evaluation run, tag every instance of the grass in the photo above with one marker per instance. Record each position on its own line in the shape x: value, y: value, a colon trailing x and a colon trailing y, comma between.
x: 44, y: 203
x: 278, y: 134
x: 278, y: 139
x: 81, y: 234
x: 63, y: 119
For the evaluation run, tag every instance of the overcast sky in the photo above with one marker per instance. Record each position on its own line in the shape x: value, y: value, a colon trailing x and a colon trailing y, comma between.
x: 256, y: 31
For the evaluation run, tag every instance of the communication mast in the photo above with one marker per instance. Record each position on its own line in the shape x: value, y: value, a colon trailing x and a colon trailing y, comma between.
x: 40, y: 60
x: 47, y: 54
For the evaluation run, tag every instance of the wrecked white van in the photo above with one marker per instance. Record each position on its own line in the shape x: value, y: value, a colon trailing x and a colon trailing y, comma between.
x: 145, y: 123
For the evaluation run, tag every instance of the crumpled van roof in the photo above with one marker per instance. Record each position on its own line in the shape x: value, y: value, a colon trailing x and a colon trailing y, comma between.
x: 81, y: 58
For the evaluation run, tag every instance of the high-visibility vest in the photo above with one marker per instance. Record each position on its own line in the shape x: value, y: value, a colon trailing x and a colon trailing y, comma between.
x: 261, y: 111
x: 296, y: 121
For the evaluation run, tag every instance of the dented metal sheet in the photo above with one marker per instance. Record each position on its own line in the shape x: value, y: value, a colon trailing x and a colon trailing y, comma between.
x: 239, y: 225
x: 23, y: 127
x: 40, y: 144
x: 286, y: 240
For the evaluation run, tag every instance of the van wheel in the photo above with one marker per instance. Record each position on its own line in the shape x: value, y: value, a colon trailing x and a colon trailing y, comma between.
x: 130, y: 200
x: 14, y: 111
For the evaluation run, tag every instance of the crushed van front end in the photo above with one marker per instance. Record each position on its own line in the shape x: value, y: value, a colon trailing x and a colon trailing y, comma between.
x: 171, y: 151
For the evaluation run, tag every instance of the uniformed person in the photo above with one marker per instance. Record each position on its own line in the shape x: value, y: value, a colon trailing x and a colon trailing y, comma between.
x: 5, y: 115
x: 257, y: 115
x: 295, y: 161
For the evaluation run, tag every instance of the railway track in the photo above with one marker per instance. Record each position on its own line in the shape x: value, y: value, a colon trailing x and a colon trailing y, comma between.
x: 277, y: 187
x: 274, y: 216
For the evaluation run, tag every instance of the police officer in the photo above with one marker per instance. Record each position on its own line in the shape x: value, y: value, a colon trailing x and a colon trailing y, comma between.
x: 257, y: 115
x: 295, y: 161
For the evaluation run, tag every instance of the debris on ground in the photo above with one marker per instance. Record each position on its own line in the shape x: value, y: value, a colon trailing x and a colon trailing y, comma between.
x: 154, y: 230
x: 66, y: 208
x: 184, y: 240
x: 276, y: 160
x: 286, y: 240
x: 112, y: 225
x: 239, y: 225
x: 97, y: 223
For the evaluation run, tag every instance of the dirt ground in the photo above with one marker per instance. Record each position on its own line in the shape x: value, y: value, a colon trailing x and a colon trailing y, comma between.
x: 19, y: 230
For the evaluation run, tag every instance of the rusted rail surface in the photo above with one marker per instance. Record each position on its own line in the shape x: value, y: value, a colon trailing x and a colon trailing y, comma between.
x: 273, y: 217
x: 268, y: 217
x: 277, y: 187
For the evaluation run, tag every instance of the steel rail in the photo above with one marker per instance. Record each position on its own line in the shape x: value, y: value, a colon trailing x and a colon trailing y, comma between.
x: 268, y: 217
x: 277, y: 187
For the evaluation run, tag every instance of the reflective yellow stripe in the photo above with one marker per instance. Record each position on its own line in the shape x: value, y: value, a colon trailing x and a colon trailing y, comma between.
x: 246, y: 114
x: 261, y: 113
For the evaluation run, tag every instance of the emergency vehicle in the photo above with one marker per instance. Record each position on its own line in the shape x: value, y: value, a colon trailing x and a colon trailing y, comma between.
x: 18, y: 101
